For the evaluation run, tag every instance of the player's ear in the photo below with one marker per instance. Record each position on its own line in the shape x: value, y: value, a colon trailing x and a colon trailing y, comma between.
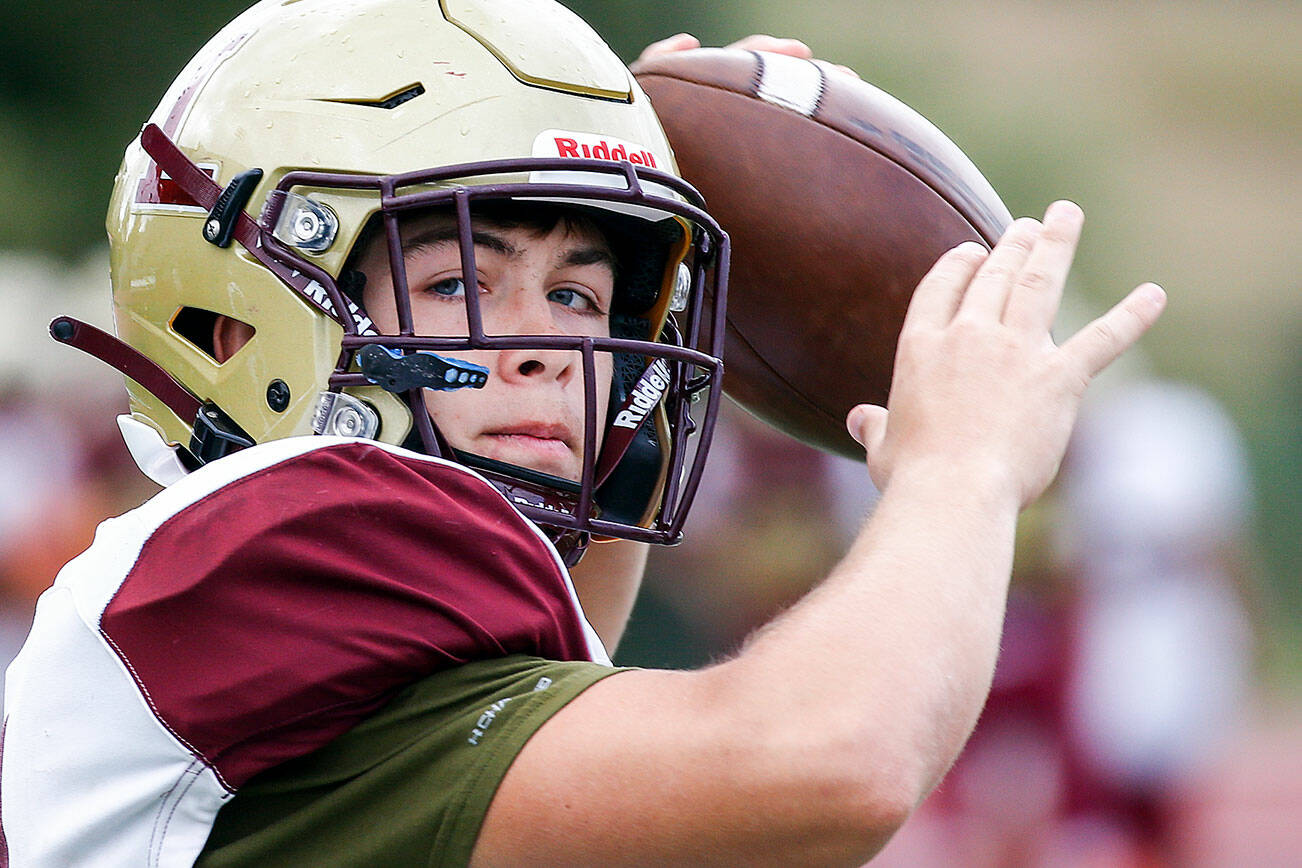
x: 228, y: 335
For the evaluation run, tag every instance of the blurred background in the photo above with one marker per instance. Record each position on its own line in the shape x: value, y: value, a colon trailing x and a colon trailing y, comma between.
x: 1148, y: 705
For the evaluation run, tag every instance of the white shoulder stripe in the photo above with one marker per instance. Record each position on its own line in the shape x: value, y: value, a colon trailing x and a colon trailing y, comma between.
x: 78, y: 715
x: 790, y: 82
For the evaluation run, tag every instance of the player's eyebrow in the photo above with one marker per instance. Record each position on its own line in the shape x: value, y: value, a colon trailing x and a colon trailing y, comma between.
x: 585, y: 253
x: 591, y: 254
x: 440, y: 235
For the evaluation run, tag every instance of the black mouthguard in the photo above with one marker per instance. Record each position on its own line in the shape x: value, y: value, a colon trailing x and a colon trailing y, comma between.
x: 395, y: 372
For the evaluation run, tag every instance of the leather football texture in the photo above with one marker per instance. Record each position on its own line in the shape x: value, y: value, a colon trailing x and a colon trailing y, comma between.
x: 837, y: 198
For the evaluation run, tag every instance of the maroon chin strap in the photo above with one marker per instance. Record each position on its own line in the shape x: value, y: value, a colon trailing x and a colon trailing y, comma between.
x: 195, y: 183
x: 129, y: 361
x: 642, y: 400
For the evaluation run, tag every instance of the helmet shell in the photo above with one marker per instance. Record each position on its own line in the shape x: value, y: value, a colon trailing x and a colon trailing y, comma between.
x: 325, y: 85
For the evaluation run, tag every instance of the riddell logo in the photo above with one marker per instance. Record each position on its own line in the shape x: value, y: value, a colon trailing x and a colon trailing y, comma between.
x: 646, y: 394
x: 603, y: 149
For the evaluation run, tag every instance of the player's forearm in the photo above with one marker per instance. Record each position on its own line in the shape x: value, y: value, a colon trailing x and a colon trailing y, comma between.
x: 813, y: 744
x: 890, y: 659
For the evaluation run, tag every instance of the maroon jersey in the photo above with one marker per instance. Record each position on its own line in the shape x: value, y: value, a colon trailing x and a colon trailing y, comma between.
x: 251, y: 613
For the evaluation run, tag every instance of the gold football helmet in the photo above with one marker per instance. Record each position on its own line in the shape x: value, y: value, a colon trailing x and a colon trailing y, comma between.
x: 304, y: 125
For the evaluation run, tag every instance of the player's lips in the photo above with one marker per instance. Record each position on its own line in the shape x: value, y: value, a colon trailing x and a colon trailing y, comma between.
x: 548, y: 448
x: 535, y: 431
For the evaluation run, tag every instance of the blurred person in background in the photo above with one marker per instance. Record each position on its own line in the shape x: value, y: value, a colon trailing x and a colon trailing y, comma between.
x: 63, y: 471
x: 1126, y: 658
x: 39, y: 468
x: 62, y: 464
x: 1157, y: 506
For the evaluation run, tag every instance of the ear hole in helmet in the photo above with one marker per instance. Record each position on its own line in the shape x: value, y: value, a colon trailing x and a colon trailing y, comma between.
x: 215, y: 335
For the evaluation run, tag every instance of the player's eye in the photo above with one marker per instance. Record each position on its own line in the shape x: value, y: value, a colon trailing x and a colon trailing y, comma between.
x: 448, y: 286
x: 574, y: 299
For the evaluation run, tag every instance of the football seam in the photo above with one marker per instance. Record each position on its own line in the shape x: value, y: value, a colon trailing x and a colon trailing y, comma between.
x: 756, y: 76
x: 888, y: 156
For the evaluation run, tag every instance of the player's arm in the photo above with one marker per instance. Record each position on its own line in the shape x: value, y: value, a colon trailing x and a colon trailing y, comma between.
x: 819, y: 738
x: 607, y: 581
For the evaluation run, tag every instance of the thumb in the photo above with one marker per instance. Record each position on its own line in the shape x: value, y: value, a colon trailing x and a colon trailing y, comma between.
x: 867, y: 425
x: 670, y: 44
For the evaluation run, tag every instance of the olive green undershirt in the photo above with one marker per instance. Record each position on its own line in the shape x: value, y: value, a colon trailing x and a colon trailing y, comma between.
x: 408, y: 786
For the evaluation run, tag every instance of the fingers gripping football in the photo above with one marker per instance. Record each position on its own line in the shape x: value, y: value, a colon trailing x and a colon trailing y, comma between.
x: 980, y: 389
x: 754, y: 42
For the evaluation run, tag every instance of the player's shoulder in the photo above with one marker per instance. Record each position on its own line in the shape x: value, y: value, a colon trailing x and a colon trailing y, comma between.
x: 318, y: 507
x: 294, y: 465
x: 321, y: 484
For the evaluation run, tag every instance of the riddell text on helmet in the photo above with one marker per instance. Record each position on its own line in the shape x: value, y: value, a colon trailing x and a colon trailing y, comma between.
x: 646, y: 394
x: 603, y: 150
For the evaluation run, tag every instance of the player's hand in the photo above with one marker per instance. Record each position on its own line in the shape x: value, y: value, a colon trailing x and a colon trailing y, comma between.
x: 754, y: 42
x: 981, y: 393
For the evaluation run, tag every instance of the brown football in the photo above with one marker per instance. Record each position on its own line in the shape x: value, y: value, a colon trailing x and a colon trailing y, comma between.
x: 838, y: 198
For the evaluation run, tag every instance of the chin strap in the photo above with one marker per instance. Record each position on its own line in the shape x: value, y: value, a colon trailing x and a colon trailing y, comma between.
x: 129, y: 361
x: 233, y: 223
x: 214, y: 433
x: 646, y: 394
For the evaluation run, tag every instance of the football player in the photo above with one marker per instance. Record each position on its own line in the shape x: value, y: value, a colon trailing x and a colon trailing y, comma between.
x: 414, y: 311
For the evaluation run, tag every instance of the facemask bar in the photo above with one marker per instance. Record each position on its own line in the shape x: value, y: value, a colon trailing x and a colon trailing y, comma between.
x: 695, y: 374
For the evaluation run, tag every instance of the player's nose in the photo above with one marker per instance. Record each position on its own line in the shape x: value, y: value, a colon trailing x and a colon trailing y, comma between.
x: 534, y: 364
x: 530, y: 313
x: 527, y: 311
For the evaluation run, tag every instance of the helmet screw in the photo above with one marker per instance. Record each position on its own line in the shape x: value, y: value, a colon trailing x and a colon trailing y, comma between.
x: 278, y: 395
x: 350, y: 423
x: 212, y: 229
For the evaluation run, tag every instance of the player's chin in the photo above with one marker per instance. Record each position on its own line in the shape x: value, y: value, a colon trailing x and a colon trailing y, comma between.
x: 545, y: 455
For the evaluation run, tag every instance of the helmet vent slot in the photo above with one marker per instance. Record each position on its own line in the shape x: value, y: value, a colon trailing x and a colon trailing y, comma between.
x: 392, y: 101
